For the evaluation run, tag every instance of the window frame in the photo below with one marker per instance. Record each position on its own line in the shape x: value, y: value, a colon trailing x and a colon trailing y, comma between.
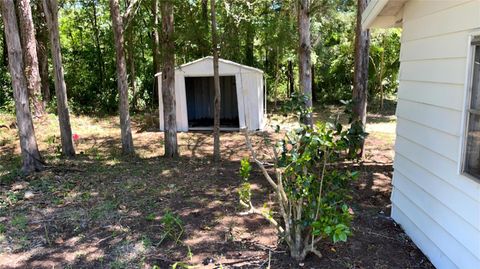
x: 473, y: 45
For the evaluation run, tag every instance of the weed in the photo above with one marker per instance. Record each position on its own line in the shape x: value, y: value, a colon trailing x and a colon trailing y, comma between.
x: 103, y: 210
x: 86, y: 196
x: 146, y: 241
x: 172, y: 227
x: 11, y: 176
x: 150, y: 217
x: 3, y: 229
x: 20, y: 222
x: 182, y: 265
x: 117, y: 265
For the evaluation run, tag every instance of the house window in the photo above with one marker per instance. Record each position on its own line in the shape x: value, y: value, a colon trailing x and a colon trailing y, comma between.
x: 471, y: 163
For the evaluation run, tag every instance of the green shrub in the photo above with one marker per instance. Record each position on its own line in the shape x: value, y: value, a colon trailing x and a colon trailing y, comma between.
x: 311, y: 185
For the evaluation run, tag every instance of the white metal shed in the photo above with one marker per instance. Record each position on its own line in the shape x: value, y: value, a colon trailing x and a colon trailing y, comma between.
x: 243, y: 96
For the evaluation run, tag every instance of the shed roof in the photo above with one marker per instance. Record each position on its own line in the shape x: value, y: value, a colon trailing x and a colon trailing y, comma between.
x: 223, y: 61
x: 383, y: 13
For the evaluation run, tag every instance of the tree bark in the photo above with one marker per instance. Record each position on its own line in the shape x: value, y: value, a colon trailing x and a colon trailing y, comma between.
x: 29, y: 44
x: 42, y: 51
x: 249, y: 45
x: 168, y: 80
x: 131, y: 64
x: 101, y: 62
x: 4, y: 50
x: 314, y: 86
x: 216, y: 81
x: 122, y: 84
x: 291, y: 79
x: 51, y: 13
x: 360, y: 79
x: 31, y: 159
x: 304, y: 51
x: 156, y: 51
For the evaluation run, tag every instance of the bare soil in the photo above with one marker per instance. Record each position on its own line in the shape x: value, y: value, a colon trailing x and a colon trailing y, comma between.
x: 101, y: 210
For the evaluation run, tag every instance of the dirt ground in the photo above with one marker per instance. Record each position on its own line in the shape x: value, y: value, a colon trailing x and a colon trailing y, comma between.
x: 100, y: 210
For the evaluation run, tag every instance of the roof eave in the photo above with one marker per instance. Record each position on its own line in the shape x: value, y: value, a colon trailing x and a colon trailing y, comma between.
x: 383, y: 14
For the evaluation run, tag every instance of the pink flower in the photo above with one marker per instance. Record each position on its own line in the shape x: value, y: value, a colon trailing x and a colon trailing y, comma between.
x: 75, y: 137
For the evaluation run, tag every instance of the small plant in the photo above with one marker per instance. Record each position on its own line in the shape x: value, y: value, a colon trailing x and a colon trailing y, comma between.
x: 244, y: 192
x: 3, y: 229
x: 310, y: 185
x: 146, y: 241
x: 20, y: 222
x: 172, y: 227
x: 151, y: 217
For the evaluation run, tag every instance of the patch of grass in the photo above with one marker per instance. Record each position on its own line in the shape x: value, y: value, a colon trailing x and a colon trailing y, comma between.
x: 151, y: 217
x: 103, y: 210
x: 10, y: 176
x: 20, y: 222
x: 146, y: 241
x: 86, y: 196
x: 116, y: 264
x: 3, y: 228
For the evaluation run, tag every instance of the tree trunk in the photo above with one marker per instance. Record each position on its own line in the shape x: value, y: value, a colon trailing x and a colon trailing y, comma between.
x: 168, y: 80
x: 216, y: 81
x: 122, y: 84
x: 42, y: 51
x: 131, y: 64
x: 314, y: 86
x: 156, y: 51
x: 29, y: 44
x: 51, y: 13
x: 304, y: 56
x: 291, y: 79
x: 31, y: 159
x: 4, y: 51
x: 249, y: 45
x: 360, y: 80
x: 381, y: 73
x: 101, y: 62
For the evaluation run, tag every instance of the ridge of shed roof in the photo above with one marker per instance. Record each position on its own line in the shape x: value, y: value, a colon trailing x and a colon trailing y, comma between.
x: 220, y: 60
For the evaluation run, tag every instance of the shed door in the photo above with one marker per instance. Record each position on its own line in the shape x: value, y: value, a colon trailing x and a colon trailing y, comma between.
x: 200, y: 101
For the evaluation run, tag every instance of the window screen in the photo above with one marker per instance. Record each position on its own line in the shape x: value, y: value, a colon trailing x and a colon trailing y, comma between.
x: 472, y: 146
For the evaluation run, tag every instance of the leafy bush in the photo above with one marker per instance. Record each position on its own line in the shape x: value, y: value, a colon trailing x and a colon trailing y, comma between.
x: 311, y: 186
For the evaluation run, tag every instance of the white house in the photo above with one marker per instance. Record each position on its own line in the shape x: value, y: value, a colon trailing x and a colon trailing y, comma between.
x: 436, y: 182
x: 242, y: 96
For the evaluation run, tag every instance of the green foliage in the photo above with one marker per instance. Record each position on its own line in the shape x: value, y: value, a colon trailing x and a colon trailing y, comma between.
x: 20, y: 222
x: 312, y: 186
x: 304, y: 154
x: 244, y: 192
x: 258, y: 33
x: 151, y: 217
x: 245, y: 168
x: 172, y: 227
x: 104, y: 210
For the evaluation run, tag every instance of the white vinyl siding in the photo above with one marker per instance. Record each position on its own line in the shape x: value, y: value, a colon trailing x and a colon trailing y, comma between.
x: 437, y: 206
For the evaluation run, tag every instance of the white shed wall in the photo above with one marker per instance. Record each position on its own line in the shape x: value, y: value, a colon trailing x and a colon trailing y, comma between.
x: 437, y: 206
x: 249, y: 84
